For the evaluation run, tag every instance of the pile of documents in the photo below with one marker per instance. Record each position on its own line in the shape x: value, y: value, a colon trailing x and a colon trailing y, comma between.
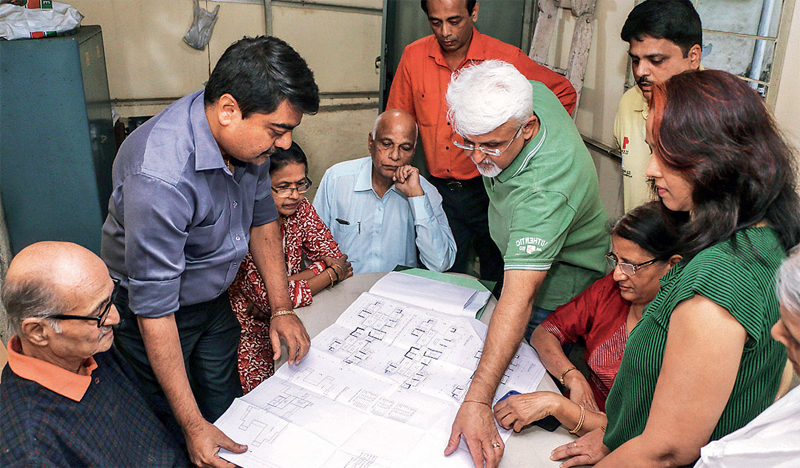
x: 379, y: 388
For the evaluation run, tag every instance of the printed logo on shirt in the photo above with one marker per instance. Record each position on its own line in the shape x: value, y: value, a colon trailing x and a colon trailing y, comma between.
x: 530, y: 245
x: 625, y: 142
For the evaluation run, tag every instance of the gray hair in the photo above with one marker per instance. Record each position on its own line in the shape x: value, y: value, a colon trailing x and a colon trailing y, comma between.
x: 30, y: 298
x: 788, y: 283
x: 483, y: 97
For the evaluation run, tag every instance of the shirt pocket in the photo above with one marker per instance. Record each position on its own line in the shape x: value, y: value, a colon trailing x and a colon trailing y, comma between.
x: 346, y: 235
x: 427, y: 107
x: 206, y: 241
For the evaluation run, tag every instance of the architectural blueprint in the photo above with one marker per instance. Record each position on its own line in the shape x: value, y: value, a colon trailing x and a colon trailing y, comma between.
x: 379, y: 388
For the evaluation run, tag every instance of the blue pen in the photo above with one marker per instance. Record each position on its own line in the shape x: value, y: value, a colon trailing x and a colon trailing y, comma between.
x: 511, y: 392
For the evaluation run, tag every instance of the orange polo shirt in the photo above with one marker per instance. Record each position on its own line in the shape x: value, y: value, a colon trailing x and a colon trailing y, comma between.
x: 420, y: 84
x: 57, y: 379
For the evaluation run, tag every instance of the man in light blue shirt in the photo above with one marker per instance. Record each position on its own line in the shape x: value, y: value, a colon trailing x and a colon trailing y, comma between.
x: 380, y: 210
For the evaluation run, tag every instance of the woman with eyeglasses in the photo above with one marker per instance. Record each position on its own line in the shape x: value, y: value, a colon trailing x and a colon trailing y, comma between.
x: 304, y: 235
x: 645, y: 246
x: 701, y: 362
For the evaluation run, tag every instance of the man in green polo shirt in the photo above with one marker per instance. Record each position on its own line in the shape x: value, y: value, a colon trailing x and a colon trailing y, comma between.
x: 545, y: 214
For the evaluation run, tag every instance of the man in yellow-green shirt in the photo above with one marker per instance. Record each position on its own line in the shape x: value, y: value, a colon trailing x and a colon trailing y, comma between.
x: 665, y: 38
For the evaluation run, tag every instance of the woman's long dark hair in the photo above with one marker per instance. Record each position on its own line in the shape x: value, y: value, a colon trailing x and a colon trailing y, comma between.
x: 716, y: 131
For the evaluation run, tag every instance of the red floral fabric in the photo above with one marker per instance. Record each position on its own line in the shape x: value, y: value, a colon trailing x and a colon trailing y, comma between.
x: 304, y: 235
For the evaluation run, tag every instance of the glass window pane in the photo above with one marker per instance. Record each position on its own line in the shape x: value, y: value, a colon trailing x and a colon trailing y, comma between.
x: 751, y: 58
x: 741, y: 16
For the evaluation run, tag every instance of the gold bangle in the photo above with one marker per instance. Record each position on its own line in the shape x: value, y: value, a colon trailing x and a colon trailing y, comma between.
x: 603, y: 428
x: 580, y: 421
x: 335, y: 273
x: 328, y: 271
x: 282, y: 312
x: 334, y: 267
x: 564, y: 374
x: 479, y: 402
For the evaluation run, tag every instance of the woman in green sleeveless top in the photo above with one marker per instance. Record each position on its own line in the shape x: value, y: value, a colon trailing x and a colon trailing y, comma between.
x: 701, y: 362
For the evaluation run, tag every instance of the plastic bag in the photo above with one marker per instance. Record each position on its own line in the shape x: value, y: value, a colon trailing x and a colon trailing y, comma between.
x: 19, y: 22
x: 203, y: 22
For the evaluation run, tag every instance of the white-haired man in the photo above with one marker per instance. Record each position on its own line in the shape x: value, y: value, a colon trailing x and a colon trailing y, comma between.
x: 545, y: 214
x: 380, y: 210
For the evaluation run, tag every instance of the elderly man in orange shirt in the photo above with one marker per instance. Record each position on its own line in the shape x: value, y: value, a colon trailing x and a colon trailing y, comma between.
x: 418, y: 88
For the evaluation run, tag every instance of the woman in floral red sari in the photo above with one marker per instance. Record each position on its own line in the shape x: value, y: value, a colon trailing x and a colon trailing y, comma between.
x: 306, y: 239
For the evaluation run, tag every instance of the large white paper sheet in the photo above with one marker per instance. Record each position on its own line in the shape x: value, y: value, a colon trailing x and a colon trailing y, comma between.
x: 431, y: 294
x: 380, y: 388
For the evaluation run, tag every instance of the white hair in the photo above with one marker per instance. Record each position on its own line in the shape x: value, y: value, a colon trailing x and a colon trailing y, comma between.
x: 483, y: 97
x: 788, y: 283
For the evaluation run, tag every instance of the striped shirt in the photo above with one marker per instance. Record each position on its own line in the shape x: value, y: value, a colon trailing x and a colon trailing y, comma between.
x: 741, y: 281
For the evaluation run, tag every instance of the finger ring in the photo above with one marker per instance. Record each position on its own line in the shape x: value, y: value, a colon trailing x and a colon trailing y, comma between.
x: 496, y: 445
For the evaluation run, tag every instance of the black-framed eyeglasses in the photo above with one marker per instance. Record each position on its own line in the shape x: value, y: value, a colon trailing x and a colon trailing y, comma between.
x: 100, y: 319
x: 629, y: 269
x: 301, y: 187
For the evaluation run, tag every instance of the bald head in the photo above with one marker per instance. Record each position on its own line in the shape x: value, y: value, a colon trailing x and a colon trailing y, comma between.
x: 395, y: 119
x: 391, y: 144
x: 45, y: 278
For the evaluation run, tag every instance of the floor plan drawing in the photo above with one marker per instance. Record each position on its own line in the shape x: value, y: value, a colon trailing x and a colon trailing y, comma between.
x: 381, y: 383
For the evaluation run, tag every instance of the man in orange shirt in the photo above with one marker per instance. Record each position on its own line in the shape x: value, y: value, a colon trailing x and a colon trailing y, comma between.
x: 419, y: 87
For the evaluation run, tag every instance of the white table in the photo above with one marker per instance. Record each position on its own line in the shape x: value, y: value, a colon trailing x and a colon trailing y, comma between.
x: 530, y: 448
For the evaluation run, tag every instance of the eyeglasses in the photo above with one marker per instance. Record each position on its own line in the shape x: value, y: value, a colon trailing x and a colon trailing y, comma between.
x: 629, y: 269
x: 491, y: 152
x: 301, y: 187
x: 101, y: 319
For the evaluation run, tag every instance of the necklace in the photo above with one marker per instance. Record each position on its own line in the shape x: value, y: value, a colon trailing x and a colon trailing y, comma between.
x: 228, y: 163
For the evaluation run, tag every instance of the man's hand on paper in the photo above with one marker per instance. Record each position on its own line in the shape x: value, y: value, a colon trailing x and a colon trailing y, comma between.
x: 204, y: 440
x: 475, y: 421
x: 586, y: 450
x: 343, y: 268
x: 291, y: 329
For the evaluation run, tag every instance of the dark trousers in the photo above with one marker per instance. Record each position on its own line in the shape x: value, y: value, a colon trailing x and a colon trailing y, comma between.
x: 209, y: 334
x: 467, y: 208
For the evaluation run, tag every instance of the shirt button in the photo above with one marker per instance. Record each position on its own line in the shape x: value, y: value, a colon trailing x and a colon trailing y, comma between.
x: 238, y: 238
x: 235, y: 204
x: 97, y: 380
x: 446, y: 147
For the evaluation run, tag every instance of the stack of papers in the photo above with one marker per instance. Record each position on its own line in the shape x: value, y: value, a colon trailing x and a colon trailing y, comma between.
x: 380, y: 388
x: 429, y: 294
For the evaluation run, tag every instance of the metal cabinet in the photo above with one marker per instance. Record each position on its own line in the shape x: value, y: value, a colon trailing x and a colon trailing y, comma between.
x: 56, y: 139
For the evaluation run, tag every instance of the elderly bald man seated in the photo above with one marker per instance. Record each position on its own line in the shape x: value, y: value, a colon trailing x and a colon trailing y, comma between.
x: 381, y: 212
x: 65, y: 398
